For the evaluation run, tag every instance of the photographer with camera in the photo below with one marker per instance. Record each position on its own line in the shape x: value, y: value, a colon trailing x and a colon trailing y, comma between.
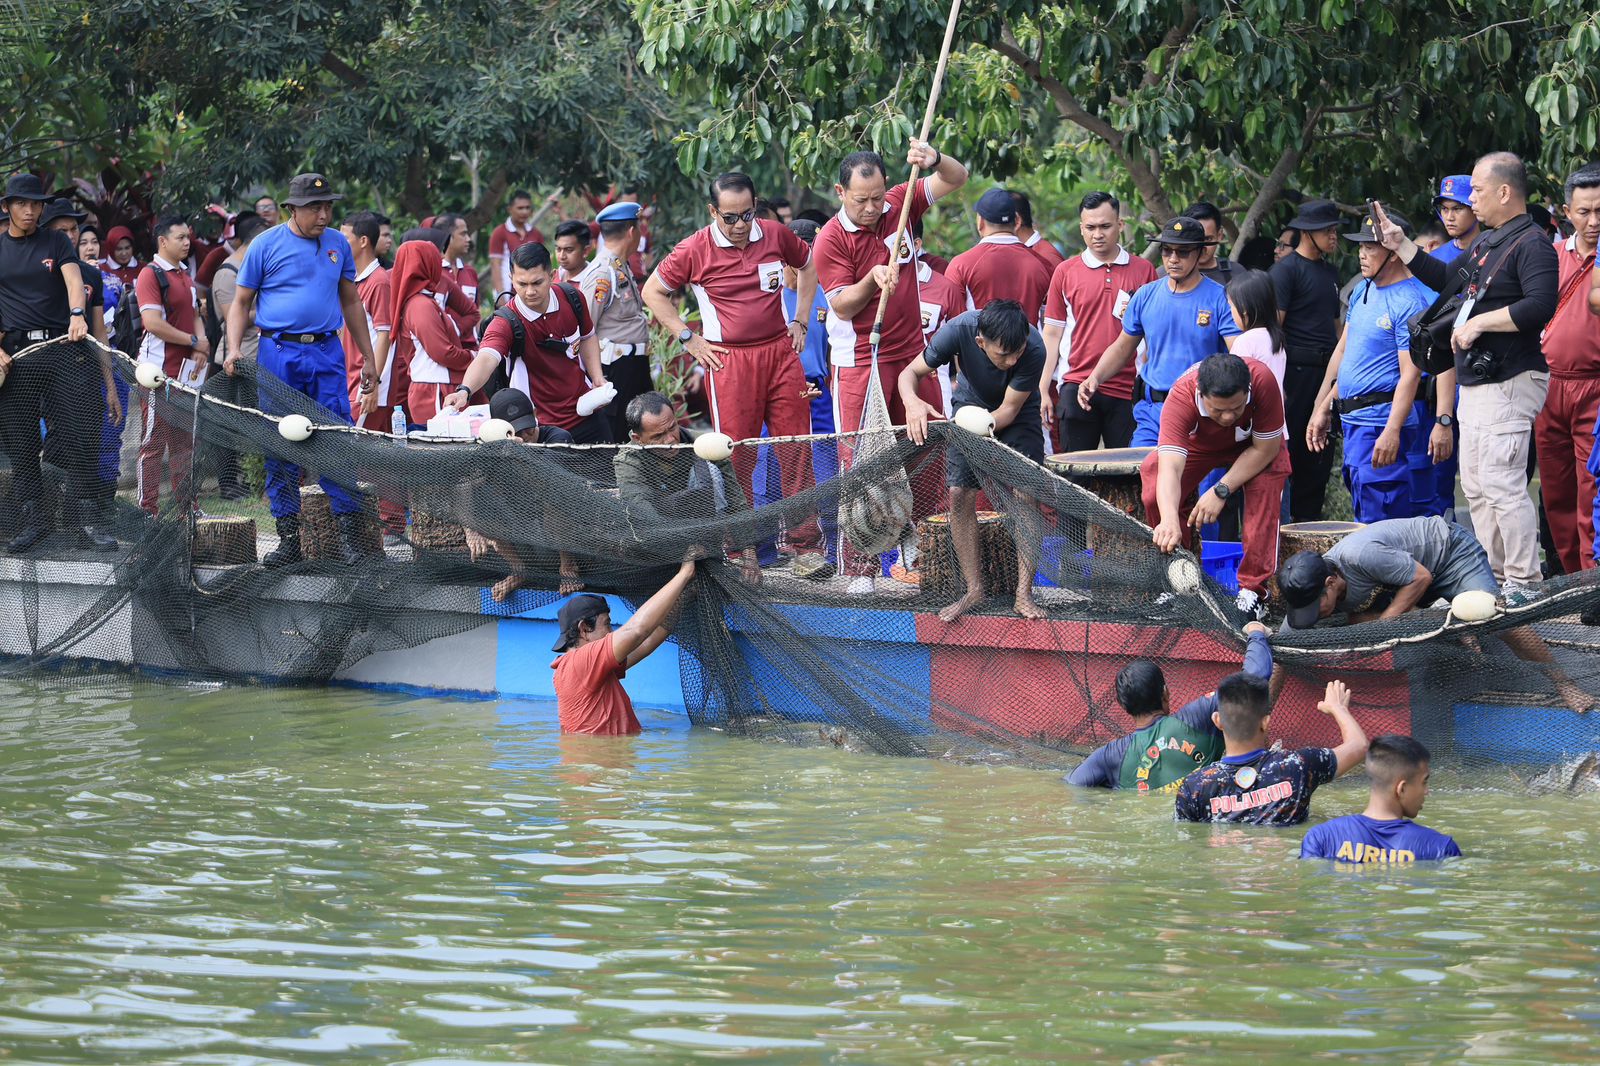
x: 1495, y: 299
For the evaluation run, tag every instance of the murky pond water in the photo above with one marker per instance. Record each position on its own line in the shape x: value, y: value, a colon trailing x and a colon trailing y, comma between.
x: 275, y: 875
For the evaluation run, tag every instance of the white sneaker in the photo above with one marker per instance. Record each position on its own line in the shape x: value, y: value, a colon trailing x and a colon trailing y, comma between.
x: 1250, y: 605
x: 861, y: 586
x: 909, y: 552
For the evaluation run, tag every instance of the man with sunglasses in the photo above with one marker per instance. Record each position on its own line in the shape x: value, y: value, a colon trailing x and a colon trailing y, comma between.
x: 1182, y: 319
x: 749, y: 347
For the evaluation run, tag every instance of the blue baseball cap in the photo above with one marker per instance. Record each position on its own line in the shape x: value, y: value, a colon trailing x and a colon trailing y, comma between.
x: 1457, y: 187
x: 998, y: 207
x: 621, y: 211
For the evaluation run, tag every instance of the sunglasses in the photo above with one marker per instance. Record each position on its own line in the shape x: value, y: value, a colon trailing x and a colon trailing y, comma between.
x: 731, y: 219
x: 1169, y: 252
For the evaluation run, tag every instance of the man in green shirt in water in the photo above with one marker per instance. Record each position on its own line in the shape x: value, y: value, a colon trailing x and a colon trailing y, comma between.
x: 1164, y: 747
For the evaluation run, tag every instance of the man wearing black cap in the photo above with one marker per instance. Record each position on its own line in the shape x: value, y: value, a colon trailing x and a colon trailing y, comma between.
x: 1183, y: 319
x: 1000, y: 266
x: 42, y: 296
x: 1372, y: 382
x: 1307, y: 287
x: 298, y: 282
x: 594, y: 657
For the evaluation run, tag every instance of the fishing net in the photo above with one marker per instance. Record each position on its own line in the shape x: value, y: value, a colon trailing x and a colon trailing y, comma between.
x: 786, y: 657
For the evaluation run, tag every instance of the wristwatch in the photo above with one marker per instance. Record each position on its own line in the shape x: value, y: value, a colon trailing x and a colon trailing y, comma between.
x: 1445, y: 420
x: 194, y: 341
x: 464, y: 388
x: 76, y: 312
x: 1221, y: 489
x: 685, y: 335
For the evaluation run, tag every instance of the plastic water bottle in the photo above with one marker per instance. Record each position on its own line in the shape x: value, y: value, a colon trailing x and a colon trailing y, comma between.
x: 397, y: 423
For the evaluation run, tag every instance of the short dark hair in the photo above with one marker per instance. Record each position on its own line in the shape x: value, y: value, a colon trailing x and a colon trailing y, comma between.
x: 765, y: 210
x: 267, y: 196
x: 915, y: 226
x: 1393, y: 756
x: 1253, y: 293
x: 863, y: 164
x: 520, y: 194
x: 364, y: 224
x: 383, y: 219
x: 1223, y: 374
x: 1023, y: 205
x: 1002, y: 322
x: 1509, y: 169
x: 1099, y: 199
x: 437, y: 238
x: 89, y: 227
x: 1434, y: 228
x: 446, y: 223
x: 1140, y: 685
x: 574, y: 228
x: 248, y: 230
x: 616, y: 227
x: 732, y: 181
x: 643, y: 406
x: 1583, y: 178
x: 816, y: 215
x: 780, y: 201
x: 1243, y: 702
x: 165, y: 223
x: 531, y: 256
x: 1204, y: 211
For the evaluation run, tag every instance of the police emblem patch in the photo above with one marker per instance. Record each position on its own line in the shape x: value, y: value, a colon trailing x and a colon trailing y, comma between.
x: 333, y: 255
x: 1203, y: 318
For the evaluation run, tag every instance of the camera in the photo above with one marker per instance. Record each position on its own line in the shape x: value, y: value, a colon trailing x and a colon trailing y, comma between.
x: 1480, y: 362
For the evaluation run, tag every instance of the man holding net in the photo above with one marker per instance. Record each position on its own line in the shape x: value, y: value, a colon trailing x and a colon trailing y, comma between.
x: 998, y: 358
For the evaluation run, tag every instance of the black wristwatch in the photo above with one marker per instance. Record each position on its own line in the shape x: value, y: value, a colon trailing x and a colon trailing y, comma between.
x: 1221, y: 489
x: 464, y: 388
x: 685, y: 335
x: 1445, y: 420
x: 76, y: 312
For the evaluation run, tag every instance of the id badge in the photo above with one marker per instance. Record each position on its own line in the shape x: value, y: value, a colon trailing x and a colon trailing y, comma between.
x: 1465, y: 312
x: 771, y: 275
x: 1123, y: 296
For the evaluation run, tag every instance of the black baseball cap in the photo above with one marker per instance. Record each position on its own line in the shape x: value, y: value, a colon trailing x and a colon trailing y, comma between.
x: 584, y: 607
x: 514, y: 406
x: 1301, y: 581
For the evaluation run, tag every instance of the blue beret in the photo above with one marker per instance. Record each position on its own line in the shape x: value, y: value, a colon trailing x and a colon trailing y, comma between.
x: 621, y: 211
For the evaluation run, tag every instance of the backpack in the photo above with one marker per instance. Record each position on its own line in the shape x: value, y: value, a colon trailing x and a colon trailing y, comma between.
x: 127, y: 327
x: 519, y: 334
x: 215, y: 326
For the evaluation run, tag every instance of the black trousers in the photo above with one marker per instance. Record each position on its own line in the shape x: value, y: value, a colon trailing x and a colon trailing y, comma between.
x: 1108, y: 419
x: 630, y: 375
x: 1308, y: 487
x: 63, y: 385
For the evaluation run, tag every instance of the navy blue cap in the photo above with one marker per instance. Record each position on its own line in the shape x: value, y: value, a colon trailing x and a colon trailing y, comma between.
x: 998, y: 207
x: 621, y: 211
x: 1301, y: 580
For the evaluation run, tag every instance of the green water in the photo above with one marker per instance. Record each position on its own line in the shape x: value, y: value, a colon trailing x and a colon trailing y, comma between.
x: 268, y: 876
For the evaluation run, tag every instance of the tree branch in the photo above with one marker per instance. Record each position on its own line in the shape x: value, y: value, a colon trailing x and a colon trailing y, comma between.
x: 1273, y: 187
x: 1170, y: 40
x: 343, y: 71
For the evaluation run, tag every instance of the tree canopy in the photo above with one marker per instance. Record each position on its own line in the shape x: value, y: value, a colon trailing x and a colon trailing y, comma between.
x: 1238, y: 100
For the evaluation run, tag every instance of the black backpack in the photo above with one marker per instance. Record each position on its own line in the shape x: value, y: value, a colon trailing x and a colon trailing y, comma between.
x: 501, y: 378
x: 215, y: 326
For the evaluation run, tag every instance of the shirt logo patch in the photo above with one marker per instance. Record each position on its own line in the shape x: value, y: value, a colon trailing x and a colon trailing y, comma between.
x: 1203, y: 318
x: 1385, y: 322
x: 48, y: 263
x: 333, y: 255
x: 602, y: 290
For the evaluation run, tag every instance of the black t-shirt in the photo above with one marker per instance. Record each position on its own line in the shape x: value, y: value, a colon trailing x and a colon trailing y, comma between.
x: 978, y: 380
x: 1308, y: 295
x: 94, y: 285
x: 32, y: 295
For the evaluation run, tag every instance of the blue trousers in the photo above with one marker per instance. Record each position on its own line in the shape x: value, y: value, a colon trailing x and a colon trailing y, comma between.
x: 1383, y: 492
x: 110, y: 463
x: 318, y: 371
x: 1146, y: 423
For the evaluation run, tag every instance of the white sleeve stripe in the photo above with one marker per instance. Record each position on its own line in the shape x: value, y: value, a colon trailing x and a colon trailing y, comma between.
x: 154, y: 307
x: 491, y: 351
x: 1055, y: 322
x: 1267, y: 436
x: 1171, y: 449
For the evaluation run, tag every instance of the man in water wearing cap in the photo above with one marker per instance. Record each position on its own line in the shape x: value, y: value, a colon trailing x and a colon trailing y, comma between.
x: 298, y: 284
x: 514, y: 406
x: 1181, y: 318
x: 1383, y: 570
x: 1000, y: 266
x: 594, y: 657
x: 1307, y: 287
x: 1454, y: 207
x: 42, y: 296
x: 1372, y: 382
x: 617, y: 311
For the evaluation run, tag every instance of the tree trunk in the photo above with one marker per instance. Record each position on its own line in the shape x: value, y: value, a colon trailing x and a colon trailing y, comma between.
x: 488, y: 205
x: 1278, y: 179
x: 414, y: 196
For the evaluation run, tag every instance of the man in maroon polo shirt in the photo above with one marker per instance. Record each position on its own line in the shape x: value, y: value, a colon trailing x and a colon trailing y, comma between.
x: 560, y: 356
x: 1082, y: 318
x: 518, y: 229
x: 749, y: 348
x: 854, y: 269
x: 173, y: 341
x: 999, y: 266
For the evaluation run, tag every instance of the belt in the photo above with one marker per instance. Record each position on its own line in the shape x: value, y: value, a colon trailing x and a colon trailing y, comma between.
x: 1357, y: 403
x: 296, y: 338
x: 611, y: 351
x: 1142, y: 388
x: 1308, y: 356
x: 33, y: 336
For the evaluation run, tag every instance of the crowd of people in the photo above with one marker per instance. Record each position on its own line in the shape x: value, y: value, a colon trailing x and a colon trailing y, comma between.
x: 1468, y: 346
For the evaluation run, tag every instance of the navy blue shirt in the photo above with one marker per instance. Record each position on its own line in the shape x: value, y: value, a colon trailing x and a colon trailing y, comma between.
x: 1262, y: 787
x: 1357, y: 838
x: 1103, y: 767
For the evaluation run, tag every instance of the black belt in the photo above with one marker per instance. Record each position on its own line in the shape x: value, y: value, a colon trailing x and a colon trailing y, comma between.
x: 1307, y: 356
x: 1142, y: 388
x: 296, y: 338
x: 33, y: 336
x: 1357, y: 403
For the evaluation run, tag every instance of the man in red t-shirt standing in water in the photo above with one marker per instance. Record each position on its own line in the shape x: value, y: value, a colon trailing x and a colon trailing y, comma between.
x: 595, y: 657
x: 749, y: 348
x: 852, y: 256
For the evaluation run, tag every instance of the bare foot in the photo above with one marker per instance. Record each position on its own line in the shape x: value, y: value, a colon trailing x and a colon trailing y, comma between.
x: 505, y: 587
x: 1575, y: 698
x: 961, y: 606
x: 570, y: 583
x: 1028, y: 607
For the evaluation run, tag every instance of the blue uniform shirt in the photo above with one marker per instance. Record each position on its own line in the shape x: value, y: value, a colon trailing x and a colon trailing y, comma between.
x: 1179, y: 328
x: 1357, y: 838
x: 1271, y: 787
x: 814, y: 357
x: 1376, y: 333
x: 296, y: 279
